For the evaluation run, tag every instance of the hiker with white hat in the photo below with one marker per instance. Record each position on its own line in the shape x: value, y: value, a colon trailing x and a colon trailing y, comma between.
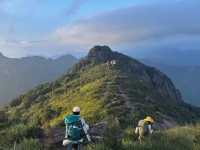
x: 76, y: 130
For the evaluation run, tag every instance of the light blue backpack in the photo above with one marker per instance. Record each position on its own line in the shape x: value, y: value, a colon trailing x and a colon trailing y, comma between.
x: 74, y: 127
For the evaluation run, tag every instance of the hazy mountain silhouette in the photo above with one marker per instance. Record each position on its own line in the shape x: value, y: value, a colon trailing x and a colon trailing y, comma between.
x: 20, y: 75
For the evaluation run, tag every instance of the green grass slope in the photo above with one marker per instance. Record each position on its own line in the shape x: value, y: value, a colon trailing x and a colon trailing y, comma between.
x: 179, y: 138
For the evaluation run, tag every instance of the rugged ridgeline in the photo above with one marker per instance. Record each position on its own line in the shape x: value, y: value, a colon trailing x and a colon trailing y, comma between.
x: 106, y: 85
x: 186, y: 78
x: 20, y: 75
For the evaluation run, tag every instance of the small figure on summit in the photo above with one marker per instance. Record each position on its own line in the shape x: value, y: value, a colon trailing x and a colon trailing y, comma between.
x: 144, y: 127
x: 76, y: 130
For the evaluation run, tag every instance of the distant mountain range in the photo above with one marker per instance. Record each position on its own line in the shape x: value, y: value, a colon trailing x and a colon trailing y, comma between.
x: 20, y: 75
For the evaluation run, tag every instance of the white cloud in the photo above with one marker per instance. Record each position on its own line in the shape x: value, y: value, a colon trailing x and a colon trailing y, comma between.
x: 135, y: 25
x: 45, y: 47
x: 159, y: 24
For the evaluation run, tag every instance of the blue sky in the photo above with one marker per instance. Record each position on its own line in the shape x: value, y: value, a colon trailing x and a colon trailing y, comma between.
x: 50, y: 28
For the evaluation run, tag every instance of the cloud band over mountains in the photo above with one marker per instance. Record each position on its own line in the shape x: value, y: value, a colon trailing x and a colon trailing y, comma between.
x: 161, y: 24
x: 136, y: 25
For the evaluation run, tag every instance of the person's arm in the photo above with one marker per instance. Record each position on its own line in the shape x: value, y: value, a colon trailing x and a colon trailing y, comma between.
x: 84, y: 124
x: 85, y: 128
x: 66, y: 135
x: 66, y: 129
x: 150, y: 129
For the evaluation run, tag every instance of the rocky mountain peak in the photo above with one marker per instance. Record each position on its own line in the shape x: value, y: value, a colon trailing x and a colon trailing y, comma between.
x: 100, y: 54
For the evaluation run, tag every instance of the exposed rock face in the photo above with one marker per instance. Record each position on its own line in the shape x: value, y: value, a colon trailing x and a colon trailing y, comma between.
x: 100, y: 54
x: 98, y: 130
x: 164, y: 85
x: 55, y: 136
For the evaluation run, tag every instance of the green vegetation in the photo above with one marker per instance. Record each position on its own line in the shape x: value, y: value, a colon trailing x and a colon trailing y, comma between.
x: 126, y: 91
x: 25, y: 144
x: 179, y: 138
x: 20, y: 134
x: 46, y: 105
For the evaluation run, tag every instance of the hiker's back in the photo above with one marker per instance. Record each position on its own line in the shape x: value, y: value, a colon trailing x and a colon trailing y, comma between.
x: 74, y: 127
x: 143, y: 127
x: 76, y: 130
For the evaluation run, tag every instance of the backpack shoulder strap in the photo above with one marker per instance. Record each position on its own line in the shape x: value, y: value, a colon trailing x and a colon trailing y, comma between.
x: 70, y: 119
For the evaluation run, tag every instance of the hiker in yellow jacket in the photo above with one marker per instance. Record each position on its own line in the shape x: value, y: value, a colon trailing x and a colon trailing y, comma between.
x: 144, y: 127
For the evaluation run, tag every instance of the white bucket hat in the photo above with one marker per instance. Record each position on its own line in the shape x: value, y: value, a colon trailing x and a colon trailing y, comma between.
x: 76, y: 109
